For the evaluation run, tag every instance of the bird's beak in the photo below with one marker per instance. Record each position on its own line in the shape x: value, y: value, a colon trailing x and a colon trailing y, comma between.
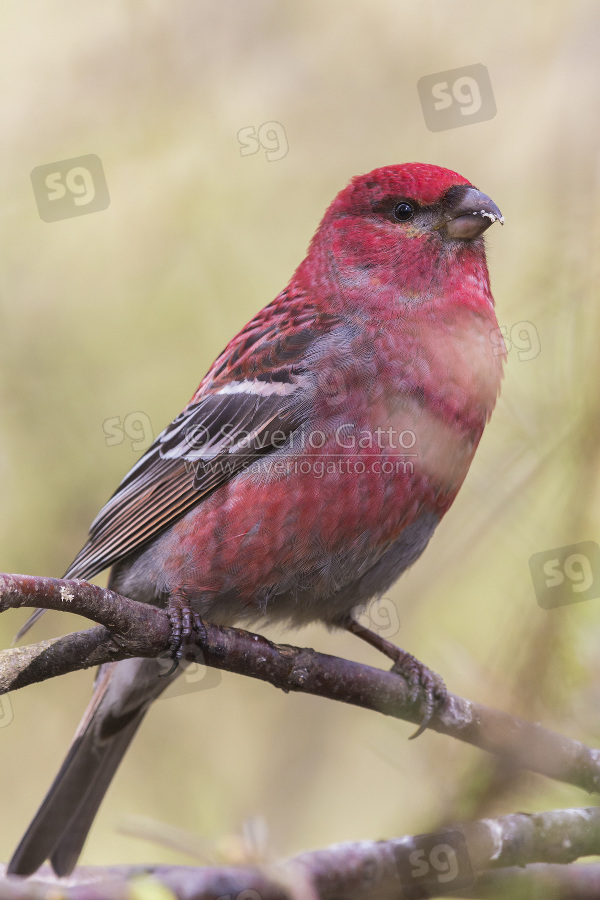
x: 468, y: 213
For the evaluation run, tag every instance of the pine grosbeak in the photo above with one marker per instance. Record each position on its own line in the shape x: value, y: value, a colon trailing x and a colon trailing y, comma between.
x: 313, y: 463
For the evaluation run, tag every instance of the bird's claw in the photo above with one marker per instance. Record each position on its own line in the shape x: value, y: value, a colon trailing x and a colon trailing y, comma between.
x: 421, y: 680
x: 186, y: 628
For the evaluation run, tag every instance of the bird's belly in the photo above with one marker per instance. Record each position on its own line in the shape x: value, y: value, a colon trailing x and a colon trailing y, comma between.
x: 306, y: 533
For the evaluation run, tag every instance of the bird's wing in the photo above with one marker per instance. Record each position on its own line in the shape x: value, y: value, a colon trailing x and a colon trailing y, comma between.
x: 245, y: 407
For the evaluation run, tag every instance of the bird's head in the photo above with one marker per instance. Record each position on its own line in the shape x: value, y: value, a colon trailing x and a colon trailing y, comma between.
x: 411, y: 228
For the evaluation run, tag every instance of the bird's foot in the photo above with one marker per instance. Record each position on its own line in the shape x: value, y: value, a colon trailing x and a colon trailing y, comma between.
x: 186, y: 628
x: 421, y: 680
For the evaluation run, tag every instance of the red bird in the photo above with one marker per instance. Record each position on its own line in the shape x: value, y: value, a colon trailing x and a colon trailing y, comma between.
x: 313, y: 463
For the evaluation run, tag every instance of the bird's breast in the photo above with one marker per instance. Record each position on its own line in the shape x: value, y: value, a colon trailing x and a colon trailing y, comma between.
x: 420, y: 392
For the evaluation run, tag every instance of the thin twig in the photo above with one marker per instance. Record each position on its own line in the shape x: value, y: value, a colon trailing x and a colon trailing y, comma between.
x: 130, y: 629
x: 476, y: 859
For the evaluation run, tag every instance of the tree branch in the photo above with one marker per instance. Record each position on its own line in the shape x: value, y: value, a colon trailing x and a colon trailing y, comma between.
x: 129, y: 628
x: 477, y: 859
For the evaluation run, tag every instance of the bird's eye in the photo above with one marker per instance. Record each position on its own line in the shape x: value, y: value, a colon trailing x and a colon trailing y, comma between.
x: 404, y: 211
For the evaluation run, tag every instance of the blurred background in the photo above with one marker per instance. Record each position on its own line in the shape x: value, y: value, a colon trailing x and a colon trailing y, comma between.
x: 223, y: 130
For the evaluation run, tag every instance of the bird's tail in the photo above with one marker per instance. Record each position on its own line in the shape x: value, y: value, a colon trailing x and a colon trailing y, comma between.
x: 122, y: 695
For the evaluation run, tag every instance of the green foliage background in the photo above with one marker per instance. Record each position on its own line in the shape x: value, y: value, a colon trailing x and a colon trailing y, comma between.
x: 124, y: 310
